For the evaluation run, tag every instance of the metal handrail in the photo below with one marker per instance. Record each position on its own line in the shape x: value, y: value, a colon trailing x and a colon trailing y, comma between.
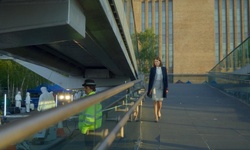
x: 238, y: 48
x: 17, y: 131
x: 112, y: 135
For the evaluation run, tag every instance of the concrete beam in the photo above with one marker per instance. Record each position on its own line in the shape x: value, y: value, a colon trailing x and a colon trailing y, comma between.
x: 40, y: 22
x: 71, y: 82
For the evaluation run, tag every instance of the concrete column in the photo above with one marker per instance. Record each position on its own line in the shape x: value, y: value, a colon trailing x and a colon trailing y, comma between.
x: 137, y: 12
x: 160, y: 27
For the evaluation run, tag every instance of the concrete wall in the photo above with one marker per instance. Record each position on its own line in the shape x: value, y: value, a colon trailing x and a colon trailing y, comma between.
x: 193, y: 30
x: 193, y: 34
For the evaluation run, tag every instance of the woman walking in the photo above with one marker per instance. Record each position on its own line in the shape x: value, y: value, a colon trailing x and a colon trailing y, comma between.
x: 157, y: 86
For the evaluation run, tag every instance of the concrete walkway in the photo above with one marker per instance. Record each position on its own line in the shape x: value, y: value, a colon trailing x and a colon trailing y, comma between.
x: 196, y: 117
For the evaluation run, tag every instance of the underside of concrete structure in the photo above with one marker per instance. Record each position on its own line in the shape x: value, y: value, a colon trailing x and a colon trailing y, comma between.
x: 66, y: 41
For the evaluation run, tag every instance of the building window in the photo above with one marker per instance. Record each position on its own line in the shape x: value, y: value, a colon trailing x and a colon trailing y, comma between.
x: 156, y: 18
x: 164, y: 32
x: 132, y: 29
x: 224, y: 29
x: 170, y: 36
x: 238, y: 21
x: 246, y: 19
x: 150, y: 14
x: 231, y: 24
x: 217, y: 37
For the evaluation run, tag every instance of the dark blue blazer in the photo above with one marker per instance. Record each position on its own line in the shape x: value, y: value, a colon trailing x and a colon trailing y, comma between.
x: 152, y: 77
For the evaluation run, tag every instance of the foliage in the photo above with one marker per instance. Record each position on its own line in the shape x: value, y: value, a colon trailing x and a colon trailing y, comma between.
x: 148, y: 49
x: 14, y: 77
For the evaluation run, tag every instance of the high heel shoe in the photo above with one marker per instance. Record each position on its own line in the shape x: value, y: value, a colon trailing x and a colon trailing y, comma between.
x: 156, y: 119
x: 159, y: 115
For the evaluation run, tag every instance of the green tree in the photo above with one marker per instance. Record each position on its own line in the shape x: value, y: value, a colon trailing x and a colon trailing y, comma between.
x: 14, y: 77
x: 148, y: 49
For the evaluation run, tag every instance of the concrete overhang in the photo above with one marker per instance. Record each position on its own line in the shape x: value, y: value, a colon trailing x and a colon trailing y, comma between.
x: 25, y: 23
x: 72, y: 37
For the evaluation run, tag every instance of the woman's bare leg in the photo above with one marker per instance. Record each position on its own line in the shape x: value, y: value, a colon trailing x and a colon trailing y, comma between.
x: 159, y: 106
x: 156, y: 110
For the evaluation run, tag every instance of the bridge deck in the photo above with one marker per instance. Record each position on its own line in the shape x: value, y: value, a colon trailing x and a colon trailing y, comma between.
x: 197, y: 117
x: 193, y: 117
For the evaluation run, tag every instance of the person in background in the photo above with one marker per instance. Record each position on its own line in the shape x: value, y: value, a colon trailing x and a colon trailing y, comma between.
x: 91, y: 117
x: 76, y: 95
x: 18, y: 99
x: 157, y: 86
x: 46, y: 100
x: 27, y: 102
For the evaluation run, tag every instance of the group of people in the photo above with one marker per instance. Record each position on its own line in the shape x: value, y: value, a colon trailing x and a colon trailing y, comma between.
x: 18, y: 100
x: 46, y: 100
x: 91, y: 117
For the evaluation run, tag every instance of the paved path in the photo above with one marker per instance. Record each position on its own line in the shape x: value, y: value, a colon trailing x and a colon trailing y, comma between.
x: 196, y: 117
